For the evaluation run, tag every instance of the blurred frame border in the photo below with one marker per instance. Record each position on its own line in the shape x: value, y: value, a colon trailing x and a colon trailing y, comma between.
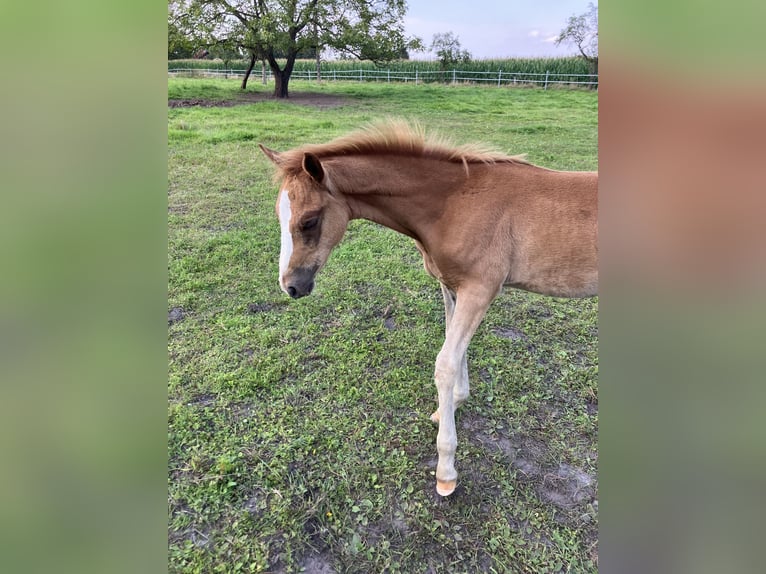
x: 83, y: 252
x: 83, y: 244
x: 682, y: 199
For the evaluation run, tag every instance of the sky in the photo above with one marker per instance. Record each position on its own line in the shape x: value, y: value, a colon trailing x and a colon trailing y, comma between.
x: 495, y: 28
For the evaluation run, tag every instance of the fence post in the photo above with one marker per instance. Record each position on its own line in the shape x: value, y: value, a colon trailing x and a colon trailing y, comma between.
x: 389, y: 75
x: 546, y: 80
x: 360, y: 74
x: 416, y: 76
x: 453, y: 76
x: 499, y: 77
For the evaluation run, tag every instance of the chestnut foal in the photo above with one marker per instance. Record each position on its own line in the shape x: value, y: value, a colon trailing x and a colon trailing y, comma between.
x: 482, y: 220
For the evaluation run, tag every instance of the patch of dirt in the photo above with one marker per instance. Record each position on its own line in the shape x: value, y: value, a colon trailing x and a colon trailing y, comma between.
x: 566, y: 487
x: 252, y: 506
x: 318, y: 564
x: 571, y: 489
x: 175, y: 315
x: 203, y: 400
x: 388, y: 320
x: 254, y: 308
x: 201, y: 538
x: 199, y: 102
x: 509, y: 333
x: 308, y: 99
x: 238, y: 411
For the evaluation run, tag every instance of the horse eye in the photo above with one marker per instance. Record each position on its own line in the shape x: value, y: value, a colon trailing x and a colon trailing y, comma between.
x: 309, y: 224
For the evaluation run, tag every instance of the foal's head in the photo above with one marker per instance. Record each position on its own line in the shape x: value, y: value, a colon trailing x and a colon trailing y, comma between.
x: 313, y: 221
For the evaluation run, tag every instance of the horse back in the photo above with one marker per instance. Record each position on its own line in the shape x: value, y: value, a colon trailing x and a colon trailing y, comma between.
x: 520, y: 226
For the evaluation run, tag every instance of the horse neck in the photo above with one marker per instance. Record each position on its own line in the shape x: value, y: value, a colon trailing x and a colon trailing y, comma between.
x: 401, y: 193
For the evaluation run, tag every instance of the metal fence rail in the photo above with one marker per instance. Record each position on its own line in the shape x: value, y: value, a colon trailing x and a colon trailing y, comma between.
x: 499, y: 78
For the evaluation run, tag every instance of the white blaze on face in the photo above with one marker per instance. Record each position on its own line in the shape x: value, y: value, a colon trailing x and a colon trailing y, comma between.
x: 286, y: 249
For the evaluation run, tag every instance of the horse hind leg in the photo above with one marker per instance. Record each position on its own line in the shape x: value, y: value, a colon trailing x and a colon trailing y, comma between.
x: 462, y: 388
x: 460, y: 392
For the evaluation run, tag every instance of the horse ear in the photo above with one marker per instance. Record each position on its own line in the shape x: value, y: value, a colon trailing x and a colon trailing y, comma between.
x: 313, y: 167
x: 274, y: 156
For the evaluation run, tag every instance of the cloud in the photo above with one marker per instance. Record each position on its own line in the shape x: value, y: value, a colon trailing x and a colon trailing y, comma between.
x: 534, y: 33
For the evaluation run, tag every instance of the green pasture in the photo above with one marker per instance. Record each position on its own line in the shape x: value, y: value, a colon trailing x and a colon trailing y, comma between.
x: 299, y: 436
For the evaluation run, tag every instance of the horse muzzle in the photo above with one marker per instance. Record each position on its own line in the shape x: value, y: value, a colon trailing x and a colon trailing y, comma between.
x: 300, y: 282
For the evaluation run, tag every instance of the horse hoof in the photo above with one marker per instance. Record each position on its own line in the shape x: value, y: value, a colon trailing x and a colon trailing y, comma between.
x: 445, y: 487
x: 435, y: 417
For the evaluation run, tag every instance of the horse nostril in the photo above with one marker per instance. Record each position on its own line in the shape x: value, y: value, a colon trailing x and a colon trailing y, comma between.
x: 292, y: 292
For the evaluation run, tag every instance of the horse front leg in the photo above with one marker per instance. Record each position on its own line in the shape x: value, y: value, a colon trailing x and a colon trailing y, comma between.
x: 451, y: 376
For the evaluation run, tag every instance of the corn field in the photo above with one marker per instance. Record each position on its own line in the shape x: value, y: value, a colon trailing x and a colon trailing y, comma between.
x: 573, y: 65
x: 540, y: 71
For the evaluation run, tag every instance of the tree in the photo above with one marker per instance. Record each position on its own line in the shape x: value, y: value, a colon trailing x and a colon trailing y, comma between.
x: 271, y: 30
x: 447, y: 47
x: 179, y: 45
x: 582, y: 31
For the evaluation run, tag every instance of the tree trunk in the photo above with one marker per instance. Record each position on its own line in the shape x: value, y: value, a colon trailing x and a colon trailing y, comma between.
x: 263, y: 72
x: 318, y: 54
x: 249, y: 69
x: 281, y: 81
x: 282, y: 77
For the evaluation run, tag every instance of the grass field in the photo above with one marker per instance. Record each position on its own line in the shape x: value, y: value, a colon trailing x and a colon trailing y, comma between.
x: 298, y: 431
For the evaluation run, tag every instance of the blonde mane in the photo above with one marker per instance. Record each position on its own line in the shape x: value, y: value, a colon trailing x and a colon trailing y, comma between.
x: 395, y: 137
